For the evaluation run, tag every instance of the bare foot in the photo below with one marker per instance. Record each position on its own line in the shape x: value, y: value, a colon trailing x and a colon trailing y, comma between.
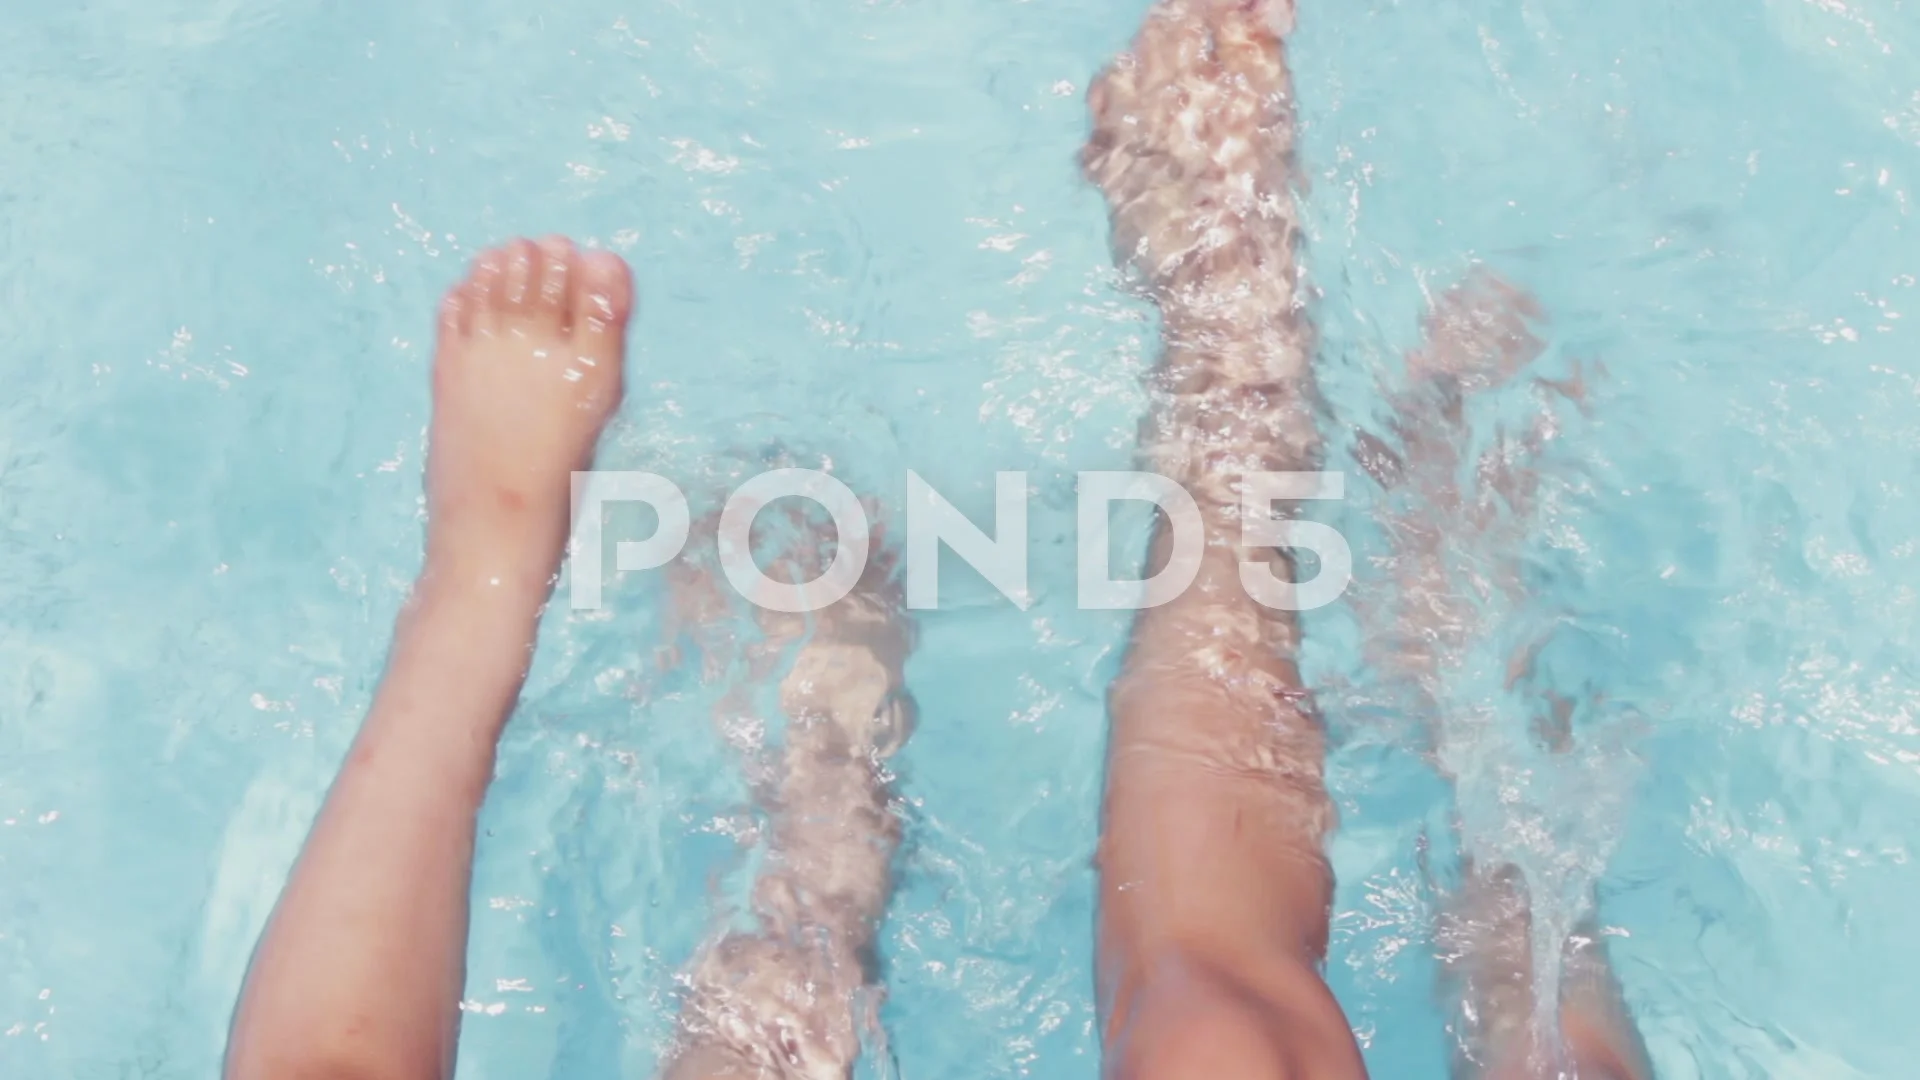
x: 527, y: 371
x: 1478, y: 332
x: 1192, y: 144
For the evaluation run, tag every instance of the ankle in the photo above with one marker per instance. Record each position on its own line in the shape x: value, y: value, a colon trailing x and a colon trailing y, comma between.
x: 466, y: 586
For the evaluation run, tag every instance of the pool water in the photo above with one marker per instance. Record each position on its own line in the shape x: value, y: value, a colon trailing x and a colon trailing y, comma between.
x: 860, y: 234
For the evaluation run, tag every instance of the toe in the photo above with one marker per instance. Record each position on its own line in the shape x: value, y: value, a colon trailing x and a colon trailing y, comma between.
x: 602, y: 295
x: 455, y: 312
x: 519, y: 277
x: 553, y: 299
x: 481, y: 293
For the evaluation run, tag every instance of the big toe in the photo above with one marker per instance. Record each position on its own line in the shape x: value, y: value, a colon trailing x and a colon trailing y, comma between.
x: 601, y: 298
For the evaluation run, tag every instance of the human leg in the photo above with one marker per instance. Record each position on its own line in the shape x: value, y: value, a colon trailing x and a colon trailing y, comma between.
x: 1214, y: 889
x: 788, y: 998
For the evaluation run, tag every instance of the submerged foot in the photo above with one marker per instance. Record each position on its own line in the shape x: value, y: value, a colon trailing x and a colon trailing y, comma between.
x: 1192, y: 140
x: 1479, y: 332
x: 526, y: 373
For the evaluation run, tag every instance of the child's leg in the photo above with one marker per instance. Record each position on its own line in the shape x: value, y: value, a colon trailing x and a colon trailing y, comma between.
x: 1214, y: 890
x: 360, y: 971
x: 1477, y: 336
x: 788, y: 999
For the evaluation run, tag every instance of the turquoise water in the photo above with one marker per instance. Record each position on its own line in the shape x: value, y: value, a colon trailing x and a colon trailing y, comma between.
x: 859, y: 232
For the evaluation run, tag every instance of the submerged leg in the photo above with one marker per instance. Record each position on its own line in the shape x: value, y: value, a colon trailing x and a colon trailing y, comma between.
x: 788, y: 999
x: 1477, y: 336
x: 1214, y: 891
